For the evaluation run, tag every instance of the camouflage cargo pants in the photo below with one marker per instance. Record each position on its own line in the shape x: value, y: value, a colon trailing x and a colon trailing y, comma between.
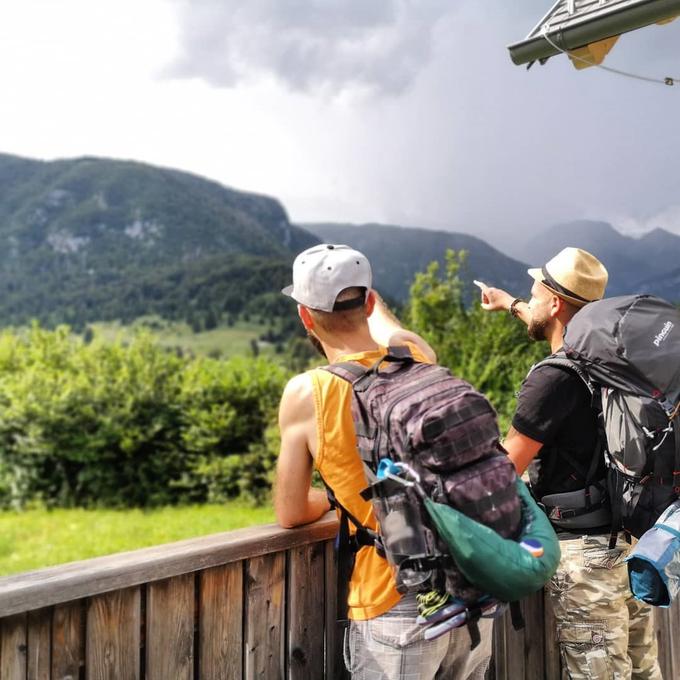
x: 603, y: 632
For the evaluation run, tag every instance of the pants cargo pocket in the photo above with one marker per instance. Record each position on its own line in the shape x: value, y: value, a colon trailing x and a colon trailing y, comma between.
x: 346, y: 650
x: 583, y: 648
x: 598, y: 555
x: 395, y: 632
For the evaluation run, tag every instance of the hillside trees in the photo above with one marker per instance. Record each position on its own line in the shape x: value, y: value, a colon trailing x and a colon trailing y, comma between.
x: 491, y: 351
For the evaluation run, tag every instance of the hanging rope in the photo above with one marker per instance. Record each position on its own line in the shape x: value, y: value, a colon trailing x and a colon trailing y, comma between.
x: 636, y: 76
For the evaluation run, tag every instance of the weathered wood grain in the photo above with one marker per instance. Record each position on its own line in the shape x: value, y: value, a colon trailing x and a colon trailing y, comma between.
x: 534, y: 636
x: 265, y: 611
x: 113, y: 636
x: 68, y: 643
x: 77, y: 580
x: 509, y: 645
x: 13, y: 647
x: 170, y: 629
x: 667, y: 628
x: 221, y: 623
x: 305, y: 617
x: 551, y: 648
x: 39, y: 644
x: 334, y: 661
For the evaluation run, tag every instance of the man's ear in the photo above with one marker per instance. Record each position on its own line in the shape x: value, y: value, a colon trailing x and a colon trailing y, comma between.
x: 370, y: 303
x: 556, y: 306
x: 305, y: 317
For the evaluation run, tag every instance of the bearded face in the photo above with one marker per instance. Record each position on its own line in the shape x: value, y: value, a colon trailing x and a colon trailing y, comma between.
x: 537, y: 328
x: 540, y: 316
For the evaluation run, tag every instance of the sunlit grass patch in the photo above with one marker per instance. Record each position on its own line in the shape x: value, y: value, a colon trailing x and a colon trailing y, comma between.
x: 33, y: 539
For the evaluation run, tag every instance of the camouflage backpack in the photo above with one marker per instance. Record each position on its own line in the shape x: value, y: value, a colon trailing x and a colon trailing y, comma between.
x: 445, y: 433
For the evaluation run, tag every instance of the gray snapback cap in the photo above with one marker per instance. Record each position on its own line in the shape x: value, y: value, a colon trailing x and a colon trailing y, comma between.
x: 321, y: 272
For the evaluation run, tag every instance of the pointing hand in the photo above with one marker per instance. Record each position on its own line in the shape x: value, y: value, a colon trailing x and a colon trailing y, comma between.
x: 493, y: 299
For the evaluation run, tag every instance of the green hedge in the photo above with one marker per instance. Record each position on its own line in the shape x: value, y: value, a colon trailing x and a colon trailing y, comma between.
x: 130, y: 425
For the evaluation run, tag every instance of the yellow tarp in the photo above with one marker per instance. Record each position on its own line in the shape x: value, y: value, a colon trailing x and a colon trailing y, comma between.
x: 592, y: 54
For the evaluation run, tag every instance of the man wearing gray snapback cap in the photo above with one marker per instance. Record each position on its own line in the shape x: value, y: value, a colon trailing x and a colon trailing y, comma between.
x: 603, y: 632
x: 348, y: 321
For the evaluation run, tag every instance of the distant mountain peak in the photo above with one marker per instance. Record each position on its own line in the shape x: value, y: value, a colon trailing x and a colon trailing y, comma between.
x: 660, y: 235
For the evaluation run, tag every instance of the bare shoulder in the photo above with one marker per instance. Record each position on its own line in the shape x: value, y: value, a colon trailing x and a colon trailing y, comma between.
x: 297, y: 401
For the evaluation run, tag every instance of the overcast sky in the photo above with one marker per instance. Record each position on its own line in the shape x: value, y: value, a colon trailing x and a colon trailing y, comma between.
x: 399, y: 111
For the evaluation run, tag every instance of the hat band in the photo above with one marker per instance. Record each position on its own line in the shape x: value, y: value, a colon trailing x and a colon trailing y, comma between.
x: 558, y: 287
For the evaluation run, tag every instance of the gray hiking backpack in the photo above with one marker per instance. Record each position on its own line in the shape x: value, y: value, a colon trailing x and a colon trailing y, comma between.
x: 418, y: 417
x: 627, y: 351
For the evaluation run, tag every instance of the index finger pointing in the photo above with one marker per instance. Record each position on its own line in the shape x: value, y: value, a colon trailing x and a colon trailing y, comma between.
x: 480, y: 284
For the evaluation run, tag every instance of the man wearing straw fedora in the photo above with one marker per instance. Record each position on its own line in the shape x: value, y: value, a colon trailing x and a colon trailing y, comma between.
x: 603, y: 632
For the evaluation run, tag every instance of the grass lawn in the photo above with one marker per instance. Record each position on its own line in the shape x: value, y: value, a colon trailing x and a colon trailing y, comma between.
x: 224, y: 341
x: 40, y: 538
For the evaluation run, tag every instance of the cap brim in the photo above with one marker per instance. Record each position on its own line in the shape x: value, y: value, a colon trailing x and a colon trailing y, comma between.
x: 288, y: 290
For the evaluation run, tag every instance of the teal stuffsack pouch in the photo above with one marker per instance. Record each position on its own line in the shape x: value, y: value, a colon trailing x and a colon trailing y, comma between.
x: 499, y: 566
x: 654, y: 562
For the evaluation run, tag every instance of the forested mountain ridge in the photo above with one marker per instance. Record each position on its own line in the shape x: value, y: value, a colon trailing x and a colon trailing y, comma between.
x: 397, y: 253
x: 95, y: 239
x: 76, y: 236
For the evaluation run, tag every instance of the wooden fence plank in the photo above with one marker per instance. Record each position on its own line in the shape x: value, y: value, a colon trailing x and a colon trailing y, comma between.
x: 664, y: 641
x: 334, y: 661
x: 170, y: 629
x: 514, y: 649
x: 666, y: 626
x: 305, y: 617
x: 68, y: 644
x: 674, y: 627
x: 265, y: 656
x: 534, y: 636
x: 221, y: 623
x: 13, y: 648
x: 39, y: 644
x: 551, y: 648
x: 113, y: 636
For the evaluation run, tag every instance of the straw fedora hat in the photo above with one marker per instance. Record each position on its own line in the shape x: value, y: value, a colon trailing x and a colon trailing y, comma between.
x: 574, y: 275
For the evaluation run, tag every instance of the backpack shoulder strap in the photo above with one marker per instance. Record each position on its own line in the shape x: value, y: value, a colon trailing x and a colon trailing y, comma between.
x: 560, y: 360
x: 347, y: 370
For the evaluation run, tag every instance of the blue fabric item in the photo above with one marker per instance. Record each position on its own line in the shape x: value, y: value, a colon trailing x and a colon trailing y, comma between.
x: 654, y: 562
x: 646, y: 583
x: 385, y: 467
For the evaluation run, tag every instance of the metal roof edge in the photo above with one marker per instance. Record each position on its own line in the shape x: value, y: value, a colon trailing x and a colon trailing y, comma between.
x: 592, y: 29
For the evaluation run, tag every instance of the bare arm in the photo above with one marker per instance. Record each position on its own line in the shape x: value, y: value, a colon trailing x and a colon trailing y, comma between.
x: 499, y: 300
x: 386, y: 329
x: 521, y: 449
x: 295, y: 501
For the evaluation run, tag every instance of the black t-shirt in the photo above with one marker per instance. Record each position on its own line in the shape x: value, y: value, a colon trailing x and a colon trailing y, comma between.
x: 554, y: 408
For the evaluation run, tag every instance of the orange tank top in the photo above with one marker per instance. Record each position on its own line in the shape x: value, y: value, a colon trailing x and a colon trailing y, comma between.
x: 372, y: 590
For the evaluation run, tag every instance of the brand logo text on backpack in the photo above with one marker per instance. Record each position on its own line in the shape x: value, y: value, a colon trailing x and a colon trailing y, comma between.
x: 667, y: 328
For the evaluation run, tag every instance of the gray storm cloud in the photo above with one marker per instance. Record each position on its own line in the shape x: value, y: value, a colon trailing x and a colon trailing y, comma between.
x: 309, y: 45
x: 471, y: 143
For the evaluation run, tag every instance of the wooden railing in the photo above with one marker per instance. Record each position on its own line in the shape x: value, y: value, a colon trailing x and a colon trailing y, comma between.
x: 253, y: 603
